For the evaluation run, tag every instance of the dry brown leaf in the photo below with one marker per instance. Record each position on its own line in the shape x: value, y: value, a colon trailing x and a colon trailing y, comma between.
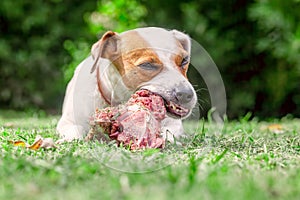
x: 18, y: 143
x: 274, y: 128
x: 38, y: 143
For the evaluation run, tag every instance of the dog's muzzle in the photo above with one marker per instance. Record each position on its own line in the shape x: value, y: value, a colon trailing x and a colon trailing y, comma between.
x: 178, y: 102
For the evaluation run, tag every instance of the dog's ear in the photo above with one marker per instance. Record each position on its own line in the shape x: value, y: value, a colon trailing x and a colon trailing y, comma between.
x: 106, y: 47
x: 184, y: 40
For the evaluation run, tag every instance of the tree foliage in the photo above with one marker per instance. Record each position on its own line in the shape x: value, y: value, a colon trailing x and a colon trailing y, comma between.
x: 31, y: 49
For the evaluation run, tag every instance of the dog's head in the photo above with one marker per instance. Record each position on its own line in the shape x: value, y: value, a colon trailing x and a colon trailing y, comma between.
x: 154, y: 59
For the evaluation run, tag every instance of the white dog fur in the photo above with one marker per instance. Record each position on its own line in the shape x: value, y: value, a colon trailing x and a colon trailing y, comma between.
x: 83, y: 96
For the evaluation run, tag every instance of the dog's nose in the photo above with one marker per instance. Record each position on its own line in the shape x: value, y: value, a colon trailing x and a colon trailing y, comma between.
x: 184, y: 95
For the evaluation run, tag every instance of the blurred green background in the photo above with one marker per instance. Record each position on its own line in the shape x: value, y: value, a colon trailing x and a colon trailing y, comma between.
x: 255, y: 44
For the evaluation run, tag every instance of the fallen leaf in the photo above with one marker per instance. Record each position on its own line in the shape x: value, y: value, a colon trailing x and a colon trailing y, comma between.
x: 36, y: 145
x: 18, y: 143
x: 274, y: 128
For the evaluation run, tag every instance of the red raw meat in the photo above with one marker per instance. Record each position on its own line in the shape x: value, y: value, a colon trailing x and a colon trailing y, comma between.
x: 136, y: 124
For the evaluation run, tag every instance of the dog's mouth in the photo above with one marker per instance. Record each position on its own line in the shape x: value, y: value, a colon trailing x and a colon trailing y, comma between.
x: 176, y: 110
x: 173, y: 110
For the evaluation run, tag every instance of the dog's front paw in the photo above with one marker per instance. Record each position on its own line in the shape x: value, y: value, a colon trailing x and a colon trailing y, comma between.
x: 172, y: 129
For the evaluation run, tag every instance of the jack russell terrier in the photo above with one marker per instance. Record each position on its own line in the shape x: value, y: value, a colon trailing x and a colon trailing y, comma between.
x: 150, y: 58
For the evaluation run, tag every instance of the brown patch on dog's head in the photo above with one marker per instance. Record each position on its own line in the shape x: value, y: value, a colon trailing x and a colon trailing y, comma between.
x: 182, y: 63
x: 140, y: 62
x: 182, y: 58
x: 140, y: 65
x: 130, y: 54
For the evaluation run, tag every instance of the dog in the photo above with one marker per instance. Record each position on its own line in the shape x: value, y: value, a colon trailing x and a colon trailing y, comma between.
x: 148, y: 58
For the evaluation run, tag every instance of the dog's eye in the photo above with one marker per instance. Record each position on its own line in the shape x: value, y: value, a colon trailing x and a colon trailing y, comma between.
x: 148, y: 66
x: 184, y: 61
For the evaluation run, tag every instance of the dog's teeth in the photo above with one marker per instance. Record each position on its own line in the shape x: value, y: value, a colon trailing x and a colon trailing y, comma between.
x: 173, y: 107
x: 176, y: 108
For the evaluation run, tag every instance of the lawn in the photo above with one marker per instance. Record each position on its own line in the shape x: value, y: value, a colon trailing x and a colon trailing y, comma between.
x: 242, y: 160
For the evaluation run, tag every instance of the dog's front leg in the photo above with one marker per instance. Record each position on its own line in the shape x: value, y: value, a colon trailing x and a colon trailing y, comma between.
x: 81, y: 99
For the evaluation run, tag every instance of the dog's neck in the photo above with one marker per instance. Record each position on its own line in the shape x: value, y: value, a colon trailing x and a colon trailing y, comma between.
x: 110, y: 84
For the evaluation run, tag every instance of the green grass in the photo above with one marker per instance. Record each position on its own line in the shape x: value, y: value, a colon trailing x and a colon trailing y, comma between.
x: 245, y: 161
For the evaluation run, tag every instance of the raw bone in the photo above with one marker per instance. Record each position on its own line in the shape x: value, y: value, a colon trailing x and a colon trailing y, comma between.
x: 136, y: 124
